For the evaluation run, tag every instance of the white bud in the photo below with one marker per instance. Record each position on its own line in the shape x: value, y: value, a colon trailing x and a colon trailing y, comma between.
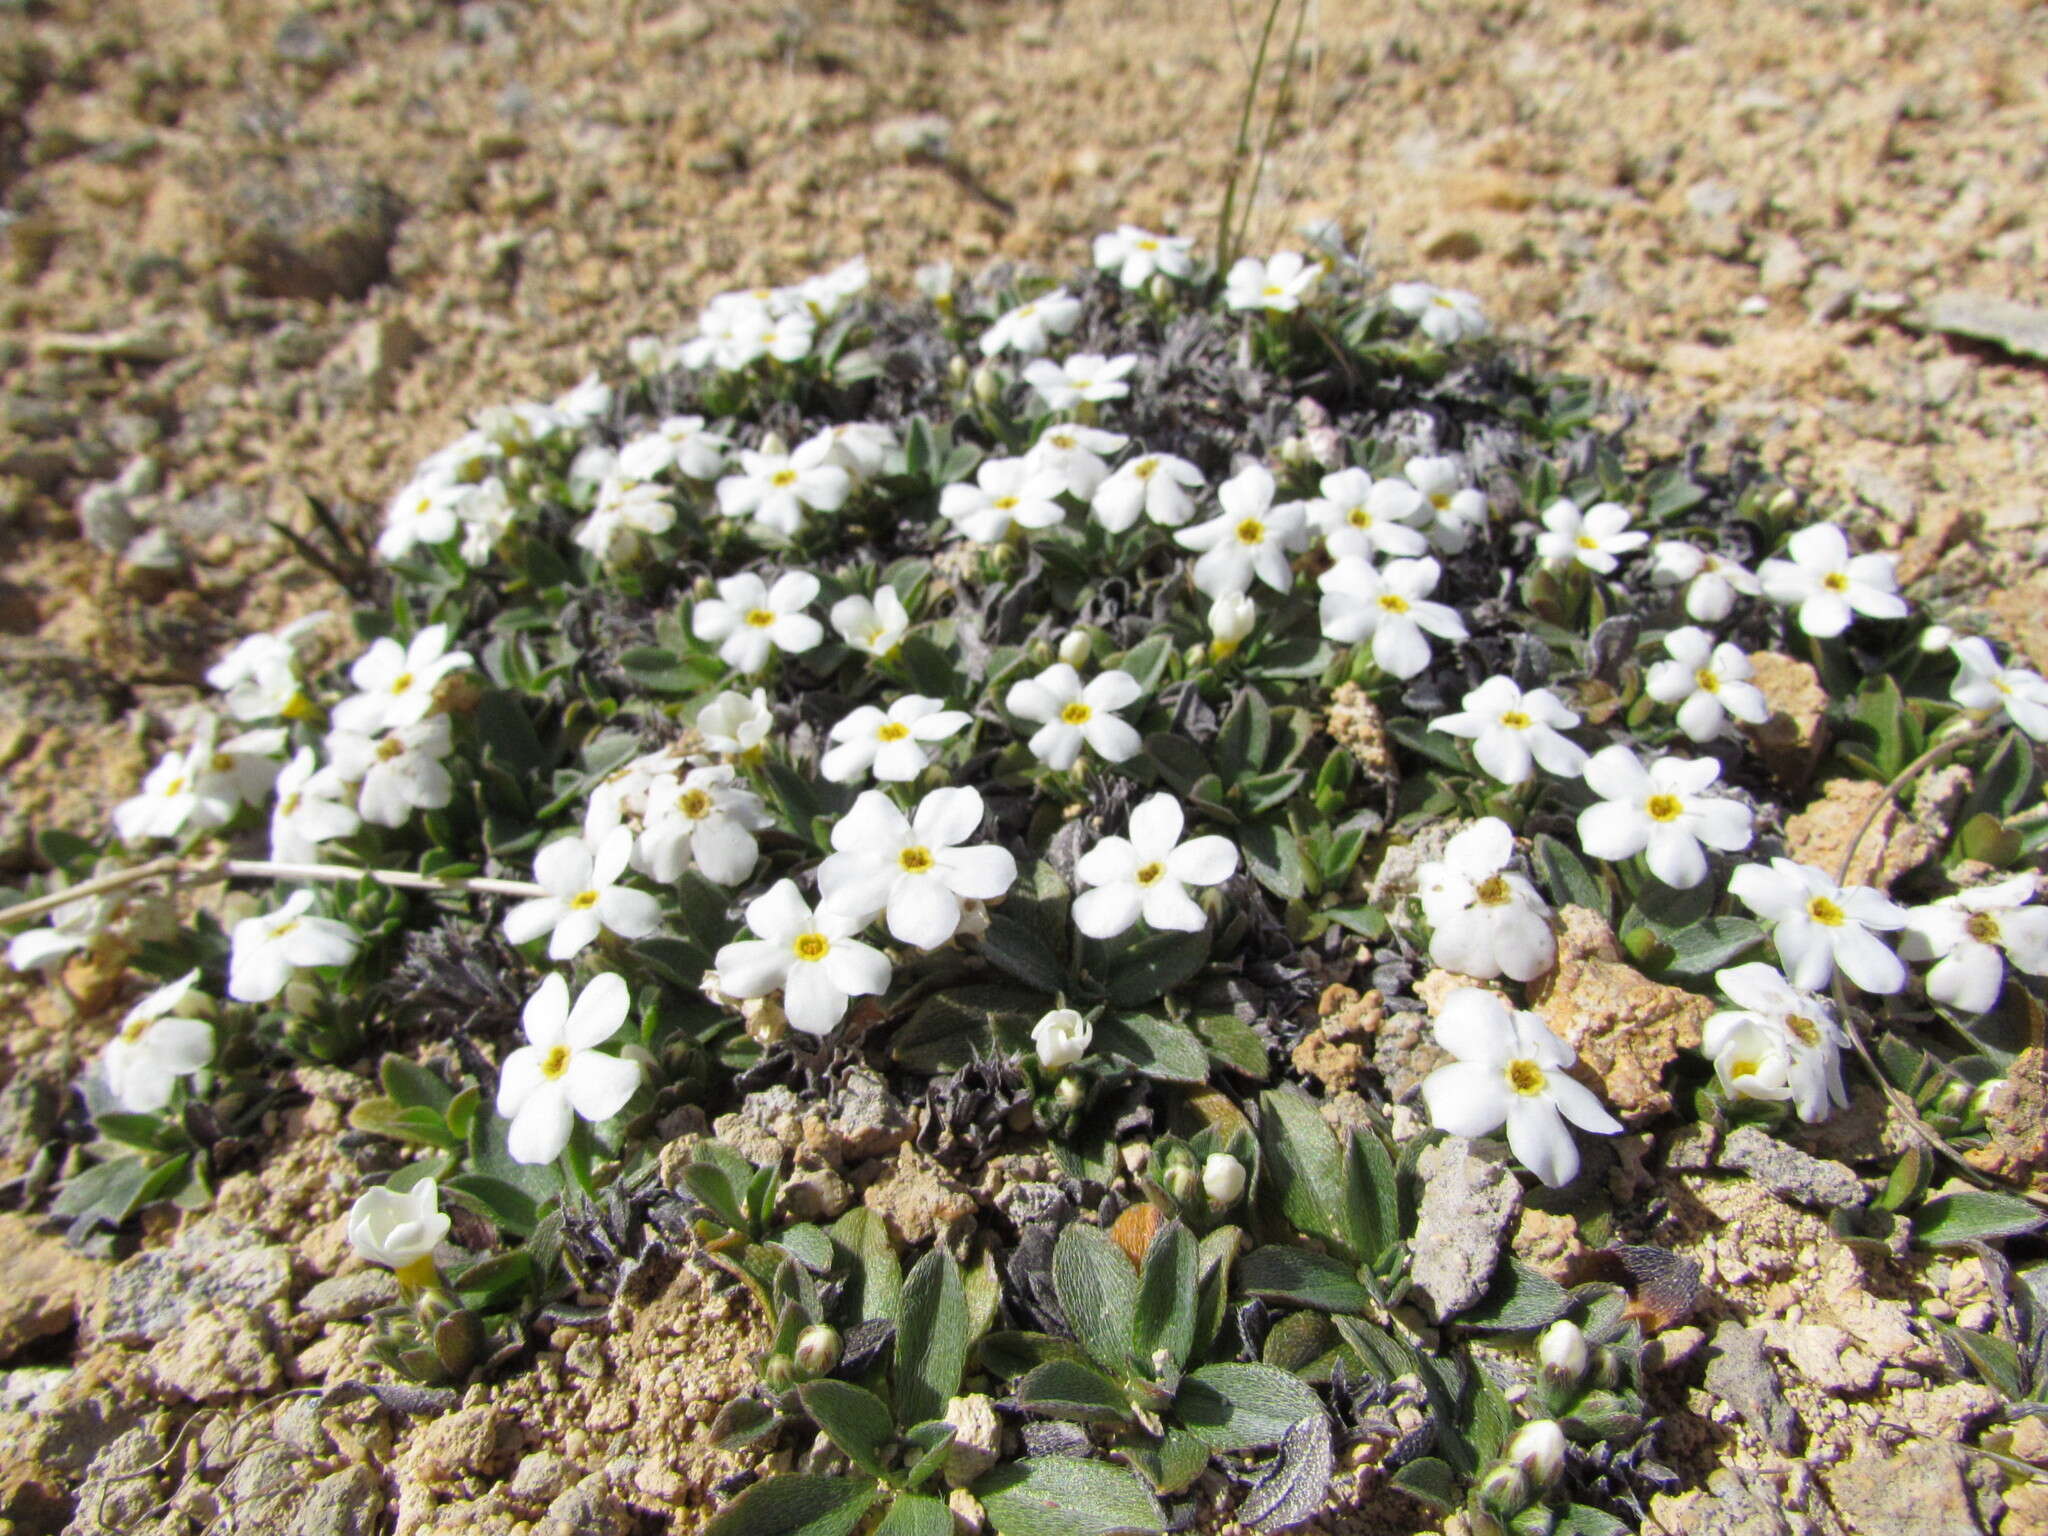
x: 1074, y: 648
x: 397, y: 1230
x: 1562, y: 1353
x: 935, y: 281
x: 773, y: 443
x: 1222, y: 1179
x: 1230, y: 619
x: 1937, y: 638
x: 987, y: 382
x: 1538, y: 1448
x: 1062, y: 1038
x: 643, y: 355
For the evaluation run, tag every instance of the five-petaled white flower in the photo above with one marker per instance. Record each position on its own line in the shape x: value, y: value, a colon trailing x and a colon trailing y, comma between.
x: 752, y: 620
x: 1777, y: 1043
x: 1147, y: 873
x: 894, y: 745
x: 1134, y: 254
x: 706, y: 817
x: 1391, y: 607
x: 1071, y: 716
x: 1818, y: 925
x: 399, y: 1231
x: 1453, y: 510
x: 681, y: 443
x: 560, y: 1074
x: 1485, y: 919
x: 1971, y: 935
x: 421, y: 513
x: 1446, y: 316
x: 175, y: 794
x: 625, y: 505
x: 1712, y: 582
x: 1061, y: 1038
x: 156, y: 1046
x: 775, y: 489
x: 71, y: 929
x: 1073, y: 456
x: 1512, y: 731
x: 397, y: 772
x: 1084, y: 378
x: 861, y: 448
x: 1006, y: 494
x: 396, y: 682
x: 812, y: 958
x: 1278, y: 283
x: 260, y: 675
x: 1661, y: 812
x: 736, y: 724
x: 1708, y: 683
x: 1511, y: 1070
x: 912, y: 871
x: 1592, y: 538
x: 1251, y: 538
x: 584, y: 896
x: 1363, y: 519
x: 1154, y: 485
x: 1828, y: 585
x: 268, y: 948
x: 1028, y: 329
x: 1982, y: 684
x: 874, y: 625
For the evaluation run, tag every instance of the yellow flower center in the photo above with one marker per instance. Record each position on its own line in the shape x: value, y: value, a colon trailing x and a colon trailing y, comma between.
x: 1664, y: 807
x: 1707, y: 681
x: 761, y: 618
x: 1442, y: 303
x: 915, y: 861
x: 1525, y: 1076
x: 583, y: 901
x: 1150, y: 873
x: 402, y: 683
x: 133, y: 1031
x: 1076, y: 713
x: 176, y: 786
x: 1494, y: 891
x: 1744, y: 1067
x: 222, y: 763
x: 389, y: 748
x: 1835, y: 581
x: 556, y: 1062
x: 289, y: 804
x: 892, y: 730
x: 1515, y: 720
x: 1061, y: 439
x: 284, y: 928
x: 1251, y: 531
x: 1393, y: 602
x: 812, y: 947
x: 1358, y: 517
x: 1803, y: 1029
x: 783, y: 477
x: 1004, y: 503
x: 1587, y: 541
x: 694, y: 803
x: 1825, y: 912
x: 1148, y: 245
x: 1145, y: 469
x: 1441, y: 500
x: 1982, y: 927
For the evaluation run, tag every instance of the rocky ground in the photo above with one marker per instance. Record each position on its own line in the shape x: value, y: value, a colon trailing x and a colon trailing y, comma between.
x: 254, y: 253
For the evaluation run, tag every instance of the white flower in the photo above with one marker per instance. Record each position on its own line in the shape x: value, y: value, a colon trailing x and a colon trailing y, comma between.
x: 894, y: 745
x: 861, y: 448
x: 783, y: 334
x: 1485, y: 919
x: 1592, y: 538
x: 422, y: 513
x: 1389, y: 607
x: 1454, y: 510
x: 1223, y: 1179
x: 396, y: 1230
x: 681, y: 443
x: 268, y: 948
x: 584, y: 896
x: 593, y: 465
x: 1363, y: 519
x: 72, y: 928
x: 1006, y: 493
x: 728, y: 329
x: 1511, y: 1070
x: 590, y: 399
x: 827, y: 293
x: 1446, y: 316
x: 1071, y: 455
x: 913, y: 871
x: 1972, y: 935
x: 398, y: 772
x: 775, y: 489
x: 813, y: 958
x: 706, y: 817
x: 1231, y: 618
x: 1072, y: 716
x: 622, y: 794
x: 1061, y: 1038
x: 310, y: 810
x: 1711, y: 583
x: 1828, y: 585
x: 1086, y: 377
x: 1028, y: 329
x: 1936, y: 638
x: 1984, y: 685
x: 487, y: 514
x: 1661, y: 812
x: 396, y: 682
x: 1777, y: 1043
x: 260, y: 675
x: 1134, y: 254
x: 736, y: 724
x: 875, y: 626
x: 1155, y: 485
x: 1819, y: 925
x: 1708, y: 683
x: 559, y: 1074
x: 753, y: 620
x: 1252, y: 537
x: 155, y: 1047
x: 1278, y: 283
x: 171, y: 798
x: 1512, y: 731
x: 625, y: 505
x: 1147, y: 874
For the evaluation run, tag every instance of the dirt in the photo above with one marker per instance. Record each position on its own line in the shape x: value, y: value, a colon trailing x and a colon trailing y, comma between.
x: 254, y: 253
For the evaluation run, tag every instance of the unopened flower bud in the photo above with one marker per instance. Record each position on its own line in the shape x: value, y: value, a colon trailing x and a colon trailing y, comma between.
x: 1538, y: 1449
x: 1074, y: 648
x: 779, y: 1372
x: 817, y: 1351
x: 1159, y: 288
x: 1182, y: 1182
x: 1069, y: 1094
x: 973, y: 918
x: 1062, y: 1038
x: 773, y: 443
x: 1563, y: 1355
x: 956, y: 371
x: 766, y: 1023
x: 643, y: 355
x: 1937, y: 638
x: 1980, y: 1101
x: 987, y: 384
x: 1505, y: 1491
x: 1230, y: 619
x: 1222, y: 1179
x: 1784, y: 501
x: 459, y: 1342
x: 934, y: 280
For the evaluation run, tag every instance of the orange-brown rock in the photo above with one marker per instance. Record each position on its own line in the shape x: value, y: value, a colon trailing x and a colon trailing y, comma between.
x: 1821, y: 834
x: 1792, y: 740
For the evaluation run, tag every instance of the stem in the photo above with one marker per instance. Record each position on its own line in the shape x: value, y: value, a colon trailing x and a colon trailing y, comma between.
x: 205, y: 872
x: 1273, y: 122
x: 1905, y: 776
x: 1243, y: 146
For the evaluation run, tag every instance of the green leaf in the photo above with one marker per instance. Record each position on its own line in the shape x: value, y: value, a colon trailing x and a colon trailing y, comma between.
x: 1304, y: 1164
x: 1010, y: 1354
x: 931, y: 1338
x: 1996, y: 1360
x: 855, y: 1420
x: 1372, y: 1196
x: 492, y: 1282
x: 1274, y: 857
x: 410, y: 1085
x: 963, y: 1024
x: 1015, y: 946
x: 1232, y: 1044
x: 1296, y: 1482
x: 512, y: 1210
x: 1241, y: 742
x: 1520, y: 1298
x: 1174, y: 1463
x: 1153, y: 1046
x: 874, y: 1275
x: 1067, y: 1389
x: 1973, y: 1215
x: 1164, y: 1318
x: 1436, y: 747
x: 1566, y: 877
x: 936, y: 1440
x: 917, y: 1514
x: 1430, y: 1481
x: 797, y: 1505
x: 1215, y: 1260
x: 1302, y: 1279
x: 1237, y: 1407
x: 1711, y: 943
x: 1178, y: 760
x: 1151, y: 967
x: 1098, y: 1293
x: 1584, y: 1520
x: 1147, y: 661
x: 1062, y: 1496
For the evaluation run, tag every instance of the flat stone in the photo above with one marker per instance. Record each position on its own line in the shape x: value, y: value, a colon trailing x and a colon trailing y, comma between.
x: 347, y: 1297
x: 213, y: 1262
x: 1825, y: 1356
x: 307, y: 229
x: 866, y: 1117
x: 1742, y: 1376
x: 44, y: 1286
x: 1791, y: 1174
x: 1469, y: 1200
x: 1917, y: 1490
x: 345, y: 1503
x: 1795, y: 735
x: 221, y: 1352
x: 2018, y: 328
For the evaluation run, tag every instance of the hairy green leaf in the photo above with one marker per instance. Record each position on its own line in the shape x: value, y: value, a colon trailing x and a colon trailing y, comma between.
x: 1303, y: 1279
x: 1237, y: 1407
x: 797, y: 1505
x: 855, y: 1420
x: 931, y: 1338
x: 1972, y: 1215
x: 1062, y: 1496
x: 1098, y: 1292
x: 1067, y: 1389
x: 1164, y: 1318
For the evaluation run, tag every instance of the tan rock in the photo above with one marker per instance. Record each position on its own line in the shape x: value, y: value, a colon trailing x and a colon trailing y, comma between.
x: 44, y: 1286
x: 1792, y: 740
x: 220, y: 1353
x: 1821, y: 834
x: 1626, y: 1028
x: 1549, y: 1242
x: 1436, y: 987
x: 477, y: 1440
x: 1338, y: 1050
x: 918, y: 1200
